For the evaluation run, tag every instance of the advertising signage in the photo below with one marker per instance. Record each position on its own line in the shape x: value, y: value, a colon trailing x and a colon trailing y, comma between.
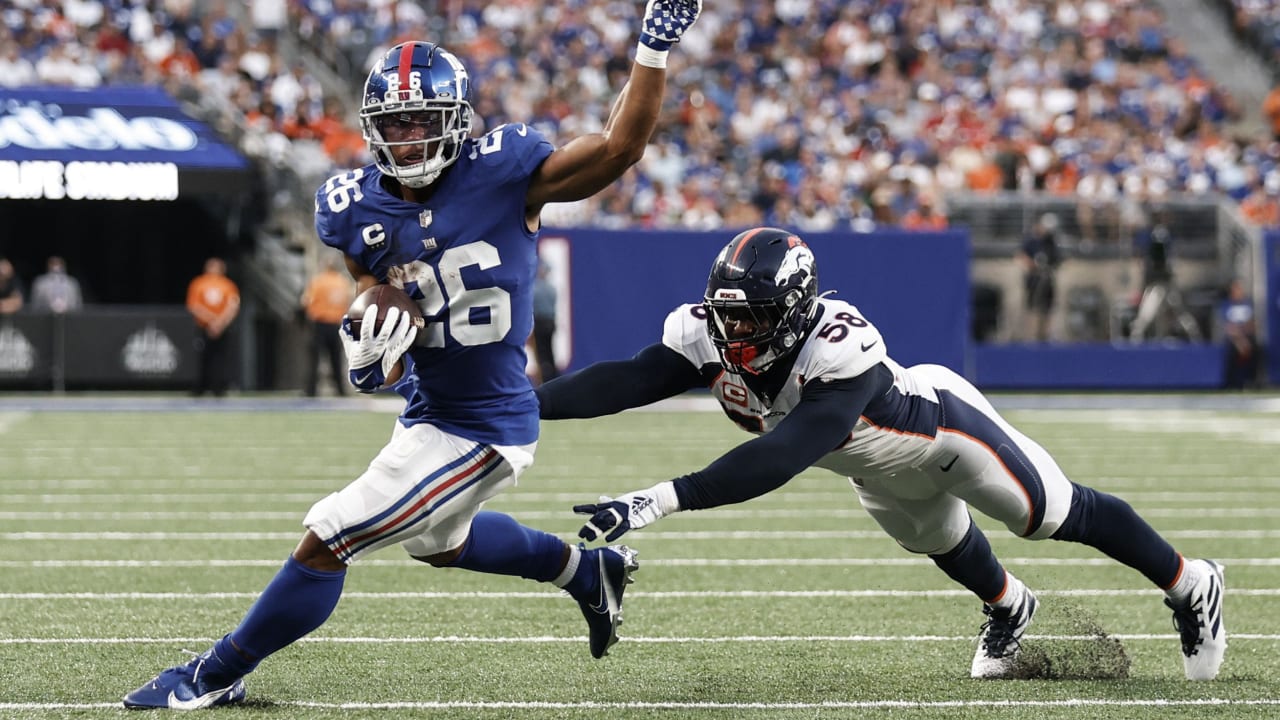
x: 110, y: 143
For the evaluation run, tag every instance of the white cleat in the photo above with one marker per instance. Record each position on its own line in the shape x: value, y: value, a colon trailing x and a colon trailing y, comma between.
x: 1199, y: 621
x: 1001, y: 639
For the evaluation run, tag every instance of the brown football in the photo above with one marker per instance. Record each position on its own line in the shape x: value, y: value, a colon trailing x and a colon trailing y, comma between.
x: 385, y: 297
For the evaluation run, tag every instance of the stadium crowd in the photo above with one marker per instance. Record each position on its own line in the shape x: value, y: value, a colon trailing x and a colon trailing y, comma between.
x: 814, y: 114
x: 1257, y: 22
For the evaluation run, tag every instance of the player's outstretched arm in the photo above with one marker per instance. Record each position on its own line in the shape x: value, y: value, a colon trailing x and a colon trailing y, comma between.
x: 655, y: 373
x: 820, y: 423
x: 588, y: 164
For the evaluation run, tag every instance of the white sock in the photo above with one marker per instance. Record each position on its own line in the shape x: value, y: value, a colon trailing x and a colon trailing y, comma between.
x: 1181, y: 589
x: 1014, y: 592
x: 570, y: 568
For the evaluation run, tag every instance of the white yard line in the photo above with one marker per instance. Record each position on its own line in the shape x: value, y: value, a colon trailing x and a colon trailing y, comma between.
x: 677, y: 640
x: 789, y: 495
x: 655, y: 595
x: 658, y: 562
x: 801, y: 706
x: 656, y: 535
x: 853, y: 513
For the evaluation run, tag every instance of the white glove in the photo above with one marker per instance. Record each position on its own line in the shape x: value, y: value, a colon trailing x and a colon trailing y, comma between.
x: 372, y: 356
x: 631, y: 511
x: 666, y: 20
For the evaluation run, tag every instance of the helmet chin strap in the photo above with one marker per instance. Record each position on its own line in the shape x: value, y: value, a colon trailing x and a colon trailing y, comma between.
x: 418, y: 181
x: 418, y: 176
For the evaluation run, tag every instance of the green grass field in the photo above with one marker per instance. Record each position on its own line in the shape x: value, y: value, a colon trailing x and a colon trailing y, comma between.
x: 126, y: 537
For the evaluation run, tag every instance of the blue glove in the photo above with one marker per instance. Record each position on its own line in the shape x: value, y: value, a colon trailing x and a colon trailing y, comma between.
x: 373, y: 356
x: 666, y: 20
x: 631, y: 511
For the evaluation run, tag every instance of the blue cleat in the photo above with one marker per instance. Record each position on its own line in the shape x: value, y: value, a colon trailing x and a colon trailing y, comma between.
x: 602, y: 604
x: 187, y: 687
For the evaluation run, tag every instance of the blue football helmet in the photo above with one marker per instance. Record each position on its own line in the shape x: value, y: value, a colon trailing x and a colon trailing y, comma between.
x: 417, y: 96
x: 762, y: 297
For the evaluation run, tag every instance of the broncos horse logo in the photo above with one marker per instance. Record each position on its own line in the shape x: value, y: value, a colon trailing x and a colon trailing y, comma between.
x: 799, y: 258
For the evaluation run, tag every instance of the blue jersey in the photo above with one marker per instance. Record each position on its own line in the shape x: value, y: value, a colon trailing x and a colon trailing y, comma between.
x: 469, y: 260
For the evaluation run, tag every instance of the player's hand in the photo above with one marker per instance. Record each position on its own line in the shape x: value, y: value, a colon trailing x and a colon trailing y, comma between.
x: 666, y: 20
x: 373, y: 356
x: 631, y: 511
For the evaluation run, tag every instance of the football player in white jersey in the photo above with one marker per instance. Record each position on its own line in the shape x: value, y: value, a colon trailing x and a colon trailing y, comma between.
x: 811, y: 378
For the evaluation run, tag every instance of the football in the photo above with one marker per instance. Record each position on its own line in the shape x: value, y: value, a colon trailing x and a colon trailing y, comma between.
x: 385, y: 297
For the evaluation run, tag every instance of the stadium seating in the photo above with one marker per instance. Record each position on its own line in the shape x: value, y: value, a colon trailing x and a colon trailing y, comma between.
x: 823, y: 115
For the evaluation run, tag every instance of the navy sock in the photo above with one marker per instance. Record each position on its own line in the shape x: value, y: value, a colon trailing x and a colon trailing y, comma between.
x: 298, y: 600
x: 501, y: 546
x: 972, y: 564
x: 1107, y: 523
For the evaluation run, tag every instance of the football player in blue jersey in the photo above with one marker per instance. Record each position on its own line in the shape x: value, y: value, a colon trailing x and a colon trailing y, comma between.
x: 811, y: 378
x: 453, y: 220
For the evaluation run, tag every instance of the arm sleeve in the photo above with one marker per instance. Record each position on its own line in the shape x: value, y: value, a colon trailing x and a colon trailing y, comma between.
x: 655, y: 373
x: 821, y: 421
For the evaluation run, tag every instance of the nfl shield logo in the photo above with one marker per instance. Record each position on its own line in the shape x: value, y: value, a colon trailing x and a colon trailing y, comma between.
x: 424, y: 218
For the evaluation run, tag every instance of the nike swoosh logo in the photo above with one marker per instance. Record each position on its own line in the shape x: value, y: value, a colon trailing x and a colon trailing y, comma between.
x: 947, y: 467
x: 361, y: 380
x: 601, y: 607
x: 194, y: 703
x: 868, y: 346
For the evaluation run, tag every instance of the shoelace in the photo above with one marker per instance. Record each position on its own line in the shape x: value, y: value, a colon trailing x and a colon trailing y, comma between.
x: 998, y: 633
x: 179, y: 669
x: 1187, y: 621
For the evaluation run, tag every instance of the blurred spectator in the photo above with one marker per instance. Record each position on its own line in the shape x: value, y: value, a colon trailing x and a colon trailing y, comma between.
x: 1160, y: 297
x: 10, y: 288
x: 1040, y: 256
x: 269, y: 16
x: 297, y: 125
x: 213, y: 301
x: 925, y: 215
x: 182, y: 61
x: 1271, y: 108
x: 15, y: 70
x: 65, y: 64
x: 294, y: 89
x: 1262, y: 206
x: 1241, y: 334
x: 986, y: 176
x: 56, y: 291
x: 324, y: 302
x: 544, y: 324
x: 1096, y: 210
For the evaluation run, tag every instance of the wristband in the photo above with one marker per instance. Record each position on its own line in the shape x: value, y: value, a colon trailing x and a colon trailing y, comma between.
x: 651, y: 58
x: 665, y: 498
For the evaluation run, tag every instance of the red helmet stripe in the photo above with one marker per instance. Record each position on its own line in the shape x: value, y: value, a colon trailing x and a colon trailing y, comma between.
x: 406, y: 67
x: 746, y: 237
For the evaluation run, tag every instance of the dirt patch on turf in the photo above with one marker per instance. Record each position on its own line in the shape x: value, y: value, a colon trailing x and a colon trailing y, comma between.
x: 1096, y: 657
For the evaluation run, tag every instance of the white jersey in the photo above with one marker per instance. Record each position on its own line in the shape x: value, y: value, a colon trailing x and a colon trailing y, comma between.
x: 918, y: 453
x: 885, y: 441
